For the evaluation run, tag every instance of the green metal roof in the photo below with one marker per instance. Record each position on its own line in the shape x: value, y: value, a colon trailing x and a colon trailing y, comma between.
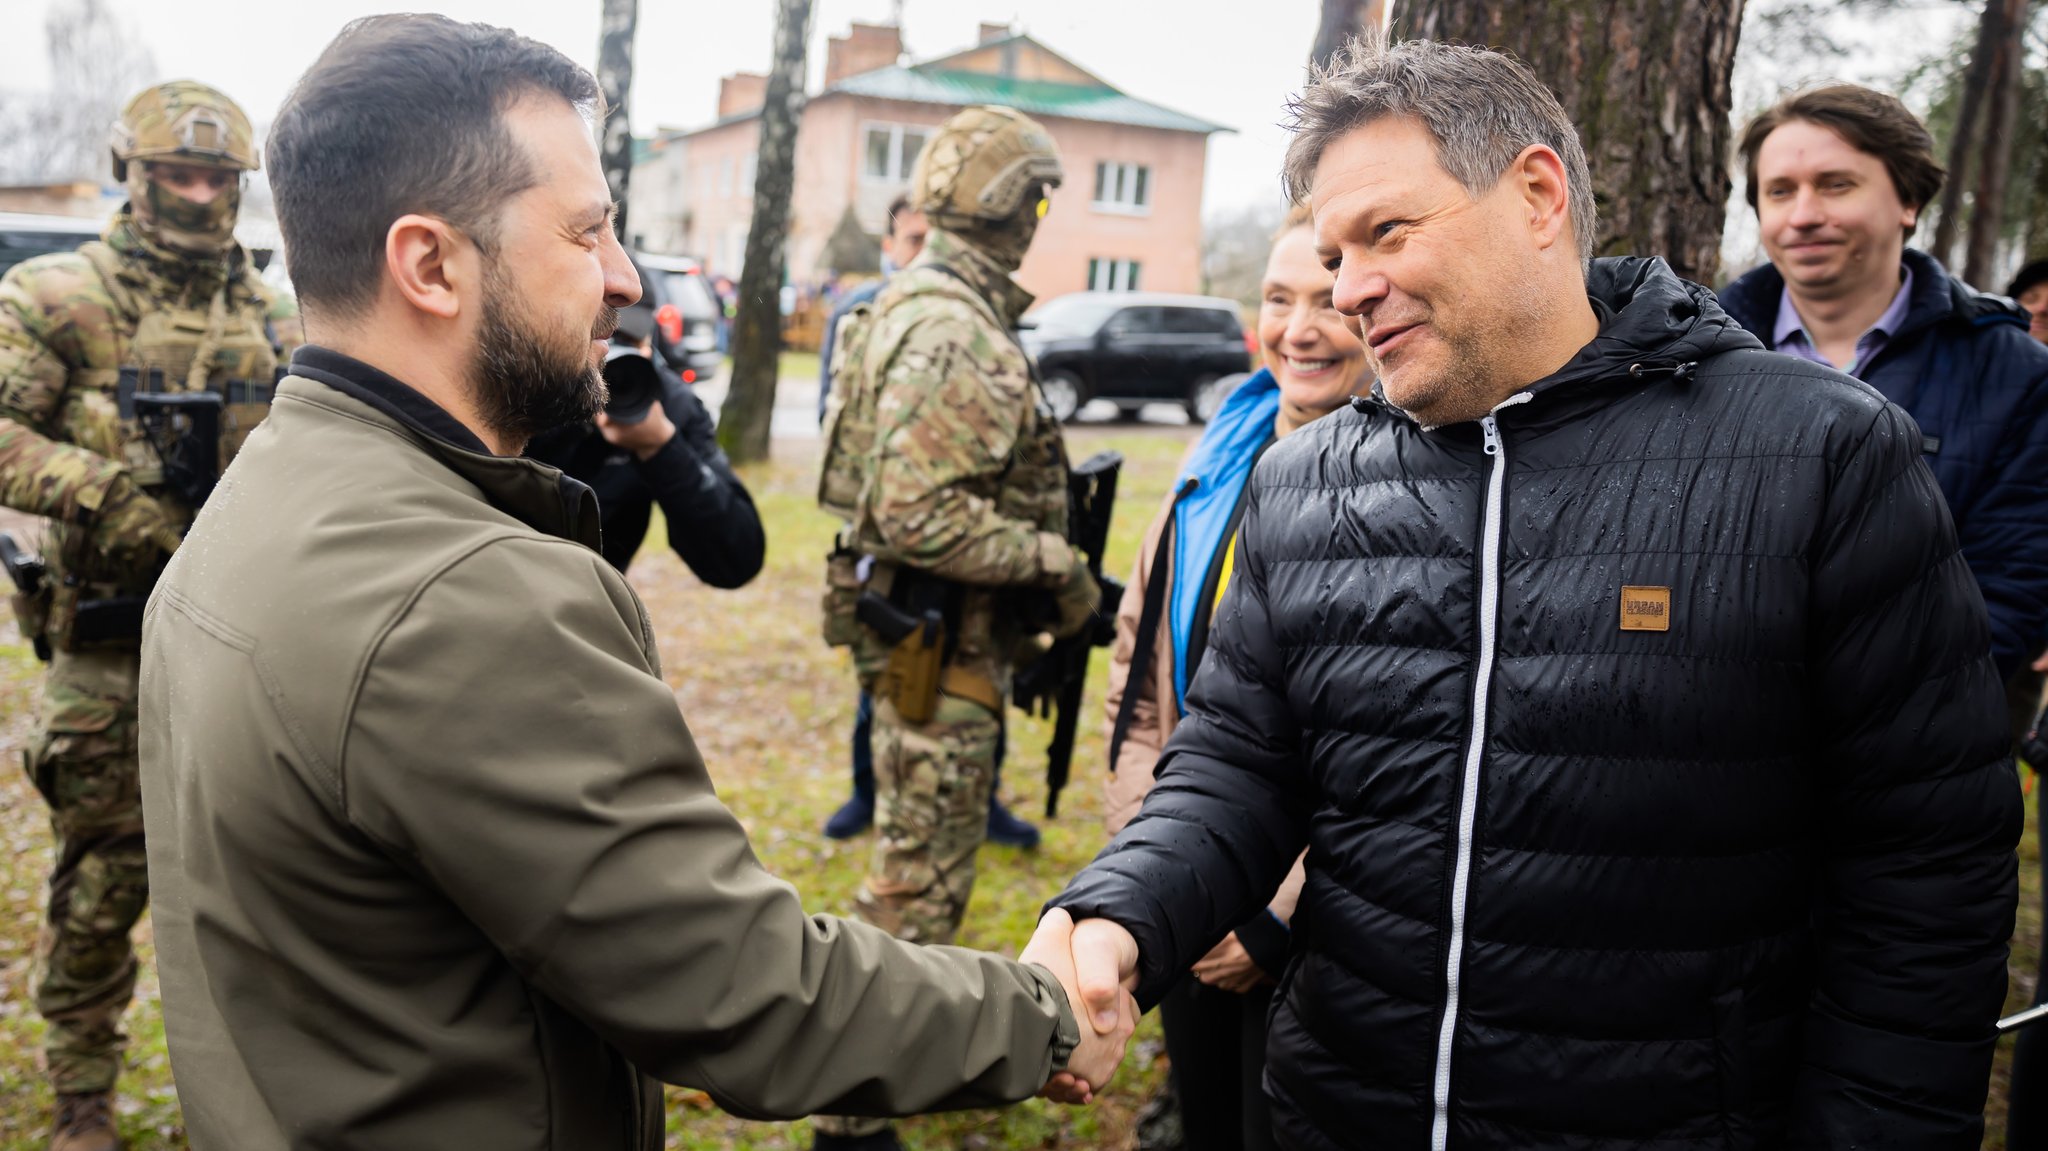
x: 934, y: 83
x: 930, y: 85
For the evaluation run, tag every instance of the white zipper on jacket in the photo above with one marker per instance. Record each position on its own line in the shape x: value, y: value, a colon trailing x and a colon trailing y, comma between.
x: 1468, y: 806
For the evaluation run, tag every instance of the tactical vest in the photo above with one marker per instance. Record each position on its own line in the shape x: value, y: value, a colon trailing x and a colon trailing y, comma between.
x: 231, y: 350
x: 161, y: 347
x: 1033, y: 487
x: 863, y: 345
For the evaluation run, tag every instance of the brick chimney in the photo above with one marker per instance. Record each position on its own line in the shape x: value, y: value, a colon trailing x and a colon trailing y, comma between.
x: 993, y: 32
x: 864, y: 49
x: 741, y: 92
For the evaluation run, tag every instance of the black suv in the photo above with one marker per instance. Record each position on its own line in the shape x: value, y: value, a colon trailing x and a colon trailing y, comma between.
x: 686, y: 314
x: 1136, y: 348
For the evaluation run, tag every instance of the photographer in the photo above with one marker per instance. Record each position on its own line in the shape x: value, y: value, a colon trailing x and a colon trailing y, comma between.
x: 655, y: 443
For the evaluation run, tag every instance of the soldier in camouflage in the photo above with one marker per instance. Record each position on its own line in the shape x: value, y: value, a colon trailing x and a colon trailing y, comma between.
x: 167, y: 301
x: 948, y: 466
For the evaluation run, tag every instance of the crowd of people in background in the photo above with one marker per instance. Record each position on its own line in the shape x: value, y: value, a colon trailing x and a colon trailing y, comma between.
x: 1555, y: 705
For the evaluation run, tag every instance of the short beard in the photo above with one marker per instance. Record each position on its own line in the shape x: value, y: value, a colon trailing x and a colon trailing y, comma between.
x: 1470, y: 384
x: 526, y: 385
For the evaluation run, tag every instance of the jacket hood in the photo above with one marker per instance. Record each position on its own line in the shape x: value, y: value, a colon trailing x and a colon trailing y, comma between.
x: 1651, y: 322
x: 1938, y: 297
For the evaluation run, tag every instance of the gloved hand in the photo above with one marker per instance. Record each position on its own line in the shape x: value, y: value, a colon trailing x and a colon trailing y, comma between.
x: 1077, y: 599
x: 131, y: 529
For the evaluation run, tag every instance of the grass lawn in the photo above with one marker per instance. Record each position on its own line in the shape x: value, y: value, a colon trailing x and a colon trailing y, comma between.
x: 797, y: 366
x: 770, y: 707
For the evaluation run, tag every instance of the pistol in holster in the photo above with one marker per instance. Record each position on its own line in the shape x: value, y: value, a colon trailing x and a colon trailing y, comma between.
x: 917, y: 654
x: 32, y: 593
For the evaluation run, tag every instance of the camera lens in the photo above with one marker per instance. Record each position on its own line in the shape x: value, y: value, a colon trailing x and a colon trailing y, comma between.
x: 631, y: 385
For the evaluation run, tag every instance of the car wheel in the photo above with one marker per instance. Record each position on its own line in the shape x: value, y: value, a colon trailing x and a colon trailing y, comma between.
x: 1064, y: 394
x: 1207, y: 394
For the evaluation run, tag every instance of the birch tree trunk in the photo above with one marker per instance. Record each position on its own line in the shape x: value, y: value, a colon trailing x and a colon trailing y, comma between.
x: 615, y: 79
x: 744, y: 423
x: 1646, y: 82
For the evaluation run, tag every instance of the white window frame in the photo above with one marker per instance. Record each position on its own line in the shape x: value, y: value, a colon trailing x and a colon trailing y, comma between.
x: 1113, y: 274
x: 895, y: 158
x: 1122, y: 188
x: 747, y: 170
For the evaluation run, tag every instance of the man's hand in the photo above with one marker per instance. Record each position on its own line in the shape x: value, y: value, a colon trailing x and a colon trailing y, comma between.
x: 1106, y: 1020
x: 1229, y: 967
x: 643, y: 439
x: 2042, y: 663
x: 130, y: 529
x: 1077, y: 599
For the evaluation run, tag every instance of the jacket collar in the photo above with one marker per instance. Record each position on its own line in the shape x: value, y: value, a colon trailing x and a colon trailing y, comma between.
x: 1653, y: 326
x: 532, y: 492
x: 979, y: 272
x: 1937, y: 298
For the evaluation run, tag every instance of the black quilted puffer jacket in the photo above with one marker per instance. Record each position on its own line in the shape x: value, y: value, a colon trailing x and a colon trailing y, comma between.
x: 1649, y: 755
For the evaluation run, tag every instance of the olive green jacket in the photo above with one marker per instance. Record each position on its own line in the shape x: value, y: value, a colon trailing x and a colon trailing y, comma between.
x: 434, y: 859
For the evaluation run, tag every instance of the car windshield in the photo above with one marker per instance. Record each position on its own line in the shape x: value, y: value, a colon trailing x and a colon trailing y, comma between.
x: 690, y: 294
x: 1071, y: 316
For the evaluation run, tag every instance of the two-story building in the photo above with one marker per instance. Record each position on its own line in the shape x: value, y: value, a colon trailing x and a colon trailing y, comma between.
x: 1127, y: 217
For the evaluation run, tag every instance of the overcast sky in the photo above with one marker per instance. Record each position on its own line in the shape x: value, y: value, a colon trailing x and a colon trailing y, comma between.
x: 1222, y: 60
x: 1226, y: 61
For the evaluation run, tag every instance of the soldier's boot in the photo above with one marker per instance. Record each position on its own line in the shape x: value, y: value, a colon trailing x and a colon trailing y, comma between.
x: 883, y: 1140
x: 85, y: 1122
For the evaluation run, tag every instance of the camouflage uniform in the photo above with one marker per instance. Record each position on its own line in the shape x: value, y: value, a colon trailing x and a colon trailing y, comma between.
x: 944, y: 458
x: 188, y: 316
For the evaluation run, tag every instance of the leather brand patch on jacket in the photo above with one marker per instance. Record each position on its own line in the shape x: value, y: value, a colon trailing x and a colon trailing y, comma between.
x: 1646, y: 609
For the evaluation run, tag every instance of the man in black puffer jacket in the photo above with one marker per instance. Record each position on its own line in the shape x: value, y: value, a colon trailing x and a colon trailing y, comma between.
x: 1623, y: 681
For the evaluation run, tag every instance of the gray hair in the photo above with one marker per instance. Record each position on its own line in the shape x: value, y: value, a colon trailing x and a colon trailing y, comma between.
x: 1483, y: 107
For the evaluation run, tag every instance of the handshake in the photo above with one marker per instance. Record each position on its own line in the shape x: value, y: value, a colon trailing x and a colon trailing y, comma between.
x: 1096, y: 962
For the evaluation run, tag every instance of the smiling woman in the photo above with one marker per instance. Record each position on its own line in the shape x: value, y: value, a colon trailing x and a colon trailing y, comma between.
x: 1313, y: 352
x: 1215, y: 1022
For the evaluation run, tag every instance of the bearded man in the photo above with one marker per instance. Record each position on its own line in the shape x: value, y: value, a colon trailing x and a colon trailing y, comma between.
x: 438, y: 862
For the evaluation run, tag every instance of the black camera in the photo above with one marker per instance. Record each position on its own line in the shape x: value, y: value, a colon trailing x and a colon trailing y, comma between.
x: 632, y: 386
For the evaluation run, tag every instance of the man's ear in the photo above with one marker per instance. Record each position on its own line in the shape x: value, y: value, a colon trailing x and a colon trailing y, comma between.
x: 432, y: 265
x: 1539, y: 178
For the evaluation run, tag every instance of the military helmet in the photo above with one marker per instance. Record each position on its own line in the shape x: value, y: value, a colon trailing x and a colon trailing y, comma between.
x: 980, y: 166
x: 186, y: 122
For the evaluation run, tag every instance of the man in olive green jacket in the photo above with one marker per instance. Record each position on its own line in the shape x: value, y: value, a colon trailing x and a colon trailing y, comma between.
x: 436, y: 861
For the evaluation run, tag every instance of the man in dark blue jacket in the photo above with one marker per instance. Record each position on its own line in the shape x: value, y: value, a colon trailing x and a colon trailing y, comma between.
x: 1838, y: 177
x: 1624, y: 682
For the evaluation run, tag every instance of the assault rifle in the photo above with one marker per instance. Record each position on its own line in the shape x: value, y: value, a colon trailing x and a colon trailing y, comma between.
x: 183, y: 429
x: 1052, y: 683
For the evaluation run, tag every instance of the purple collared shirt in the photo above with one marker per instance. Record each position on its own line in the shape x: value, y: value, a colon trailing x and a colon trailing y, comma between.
x: 1790, y: 335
